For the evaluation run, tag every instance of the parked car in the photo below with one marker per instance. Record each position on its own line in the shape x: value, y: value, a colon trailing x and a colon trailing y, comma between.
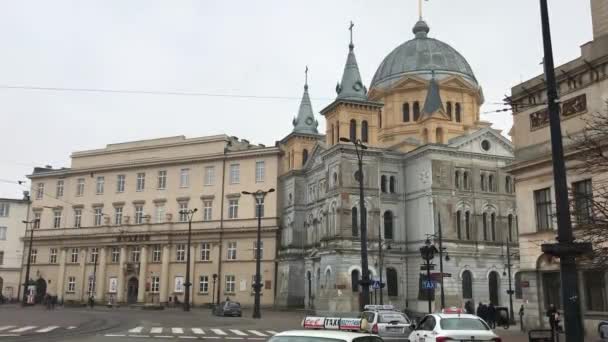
x: 385, y: 321
x: 452, y: 327
x: 228, y: 309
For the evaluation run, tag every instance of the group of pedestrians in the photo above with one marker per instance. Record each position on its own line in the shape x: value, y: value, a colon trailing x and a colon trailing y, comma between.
x: 50, y: 301
x: 487, y: 313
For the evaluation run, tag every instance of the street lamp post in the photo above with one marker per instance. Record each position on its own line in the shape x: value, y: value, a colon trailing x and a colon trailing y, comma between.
x: 29, y: 258
x: 93, y: 288
x: 214, y: 280
x: 258, y: 197
x: 190, y: 214
x: 365, y: 281
x: 428, y: 253
x: 510, y: 290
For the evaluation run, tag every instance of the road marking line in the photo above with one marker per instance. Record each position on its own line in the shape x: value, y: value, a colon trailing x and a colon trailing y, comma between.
x: 9, y: 335
x: 71, y: 327
x: 115, y: 335
x: 136, y: 330
x: 7, y: 327
x: 47, y: 329
x: 211, y: 337
x: 238, y: 332
x: 234, y: 338
x: 156, y: 330
x: 255, y: 338
x: 142, y: 336
x: 218, y: 331
x: 187, y: 337
x: 164, y: 336
x: 29, y: 327
x: 272, y: 332
x: 255, y: 332
x: 198, y: 331
x: 177, y: 330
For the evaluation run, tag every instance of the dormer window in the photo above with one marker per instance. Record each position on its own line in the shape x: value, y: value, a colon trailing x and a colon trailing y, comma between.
x: 416, y: 111
x: 406, y: 112
x: 448, y: 110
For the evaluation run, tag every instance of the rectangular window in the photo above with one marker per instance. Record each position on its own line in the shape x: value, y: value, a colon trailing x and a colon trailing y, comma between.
x: 77, y: 218
x: 94, y: 256
x: 544, y: 214
x: 183, y: 211
x: 74, y: 256
x: 209, y: 175
x: 203, y: 284
x: 1, y: 258
x: 4, y: 207
x: 139, y: 214
x: 135, y: 254
x: 37, y: 217
x: 184, y: 178
x: 260, y: 171
x: 235, y: 174
x: 56, y: 218
x: 156, y: 253
x: 80, y: 187
x: 155, y: 284
x: 98, y: 214
x: 595, y: 290
x: 71, y: 284
x: 141, y: 181
x: 2, y: 233
x: 91, y: 286
x: 115, y: 255
x: 33, y: 256
x: 162, y: 180
x: 180, y: 254
x: 100, y: 184
x: 118, y: 215
x: 231, y: 250
x: 583, y: 201
x: 53, y: 255
x: 259, y: 207
x: 40, y: 191
x: 230, y: 284
x: 205, y: 251
x: 255, y: 249
x: 207, y: 210
x: 160, y: 213
x: 120, y: 183
x: 59, y: 191
x: 233, y: 208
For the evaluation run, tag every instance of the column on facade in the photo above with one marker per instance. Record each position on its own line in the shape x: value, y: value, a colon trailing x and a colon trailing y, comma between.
x: 143, y: 266
x: 84, y: 294
x: 120, y: 297
x: 164, y: 274
x: 100, y: 280
x: 61, y: 275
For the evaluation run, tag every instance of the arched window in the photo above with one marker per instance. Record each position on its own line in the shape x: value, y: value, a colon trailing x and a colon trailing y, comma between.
x: 508, y: 184
x: 458, y: 114
x: 327, y: 279
x: 457, y: 179
x: 379, y: 119
x: 337, y: 131
x: 448, y: 109
x: 392, y: 282
x: 406, y: 112
x: 416, y: 111
x: 332, y: 134
x: 510, y: 227
x: 318, y: 280
x: 482, y: 181
x: 459, y: 224
x: 467, y: 285
x: 467, y: 225
x: 353, y: 130
x: 293, y: 159
x: 289, y: 160
x: 439, y: 135
x: 485, y: 226
x: 493, y: 285
x: 335, y: 179
x: 465, y: 180
x: 364, y: 137
x: 493, y: 226
x: 304, y: 156
x: 383, y: 183
x: 518, y: 290
x: 388, y: 224
x: 491, y: 183
x: 392, y: 185
x: 355, y: 221
x: 354, y: 280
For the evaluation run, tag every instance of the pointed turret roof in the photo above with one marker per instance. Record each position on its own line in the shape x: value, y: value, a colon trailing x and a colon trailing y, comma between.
x: 433, y: 102
x: 351, y: 87
x: 305, y: 122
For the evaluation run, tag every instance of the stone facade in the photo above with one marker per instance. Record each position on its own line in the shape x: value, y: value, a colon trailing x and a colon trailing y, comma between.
x: 12, y: 230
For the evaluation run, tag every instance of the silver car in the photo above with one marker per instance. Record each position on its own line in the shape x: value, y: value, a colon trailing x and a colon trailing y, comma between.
x: 388, y: 323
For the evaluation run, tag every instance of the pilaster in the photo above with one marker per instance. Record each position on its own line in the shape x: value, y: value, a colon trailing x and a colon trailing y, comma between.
x: 164, y: 274
x: 121, y: 275
x: 143, y: 266
x: 101, y: 275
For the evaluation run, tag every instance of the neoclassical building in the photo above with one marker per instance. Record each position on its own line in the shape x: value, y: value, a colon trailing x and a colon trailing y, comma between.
x: 430, y: 158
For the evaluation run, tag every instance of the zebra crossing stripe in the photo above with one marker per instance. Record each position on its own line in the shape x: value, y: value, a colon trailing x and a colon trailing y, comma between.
x: 6, y: 327
x: 191, y: 337
x: 198, y: 331
x: 47, y: 329
x: 238, y: 332
x: 29, y: 327
x: 218, y: 331
x: 272, y: 332
x: 136, y: 330
x: 177, y: 330
x: 255, y: 332
x: 156, y: 330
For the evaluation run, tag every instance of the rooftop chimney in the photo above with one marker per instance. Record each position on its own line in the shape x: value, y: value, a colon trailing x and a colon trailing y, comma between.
x: 599, y: 17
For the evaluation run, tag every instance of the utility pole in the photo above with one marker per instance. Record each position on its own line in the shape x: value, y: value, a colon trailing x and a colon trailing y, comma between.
x: 190, y: 215
x: 565, y: 248
x: 441, y: 260
x: 510, y: 290
x: 380, y: 261
x: 29, y: 259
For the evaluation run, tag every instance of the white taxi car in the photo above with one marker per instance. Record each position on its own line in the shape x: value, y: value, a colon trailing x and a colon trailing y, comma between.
x: 452, y: 326
x: 329, y: 329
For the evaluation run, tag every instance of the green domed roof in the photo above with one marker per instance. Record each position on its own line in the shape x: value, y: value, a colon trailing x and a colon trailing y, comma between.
x: 421, y: 55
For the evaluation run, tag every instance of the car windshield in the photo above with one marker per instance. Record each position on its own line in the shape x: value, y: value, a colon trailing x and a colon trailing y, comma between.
x: 233, y: 305
x: 303, y: 339
x: 462, y: 324
x: 392, y: 317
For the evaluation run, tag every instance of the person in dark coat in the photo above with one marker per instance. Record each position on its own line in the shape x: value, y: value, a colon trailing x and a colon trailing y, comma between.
x: 468, y: 307
x: 491, y: 316
x: 481, y: 311
x: 552, y: 315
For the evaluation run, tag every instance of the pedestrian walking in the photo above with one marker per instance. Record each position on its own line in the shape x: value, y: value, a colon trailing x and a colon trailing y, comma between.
x: 521, y: 317
x: 491, y: 314
x: 468, y: 307
x: 480, y: 310
x: 552, y: 315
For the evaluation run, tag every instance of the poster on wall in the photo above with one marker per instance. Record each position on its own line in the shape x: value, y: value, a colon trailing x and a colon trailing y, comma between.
x: 113, y: 288
x: 179, y: 284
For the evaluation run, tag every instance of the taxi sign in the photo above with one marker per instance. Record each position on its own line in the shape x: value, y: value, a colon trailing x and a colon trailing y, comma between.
x: 379, y: 307
x: 334, y: 323
x: 452, y: 310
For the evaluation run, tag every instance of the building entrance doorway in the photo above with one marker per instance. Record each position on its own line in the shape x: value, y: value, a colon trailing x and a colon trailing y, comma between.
x: 132, y: 290
x: 493, y: 284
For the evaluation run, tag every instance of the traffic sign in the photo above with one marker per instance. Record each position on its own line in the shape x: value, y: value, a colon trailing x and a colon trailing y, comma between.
x: 428, y: 284
x: 375, y: 284
x: 423, y: 267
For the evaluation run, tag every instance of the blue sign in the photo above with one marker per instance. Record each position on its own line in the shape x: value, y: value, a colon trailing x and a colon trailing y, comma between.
x: 375, y: 284
x: 428, y: 284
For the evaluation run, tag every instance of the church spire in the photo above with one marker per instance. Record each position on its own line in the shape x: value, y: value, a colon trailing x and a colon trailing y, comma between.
x: 351, y: 87
x: 433, y: 102
x: 305, y: 121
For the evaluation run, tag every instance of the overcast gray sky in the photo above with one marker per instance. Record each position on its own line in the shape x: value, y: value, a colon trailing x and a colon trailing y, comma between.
x: 231, y: 47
